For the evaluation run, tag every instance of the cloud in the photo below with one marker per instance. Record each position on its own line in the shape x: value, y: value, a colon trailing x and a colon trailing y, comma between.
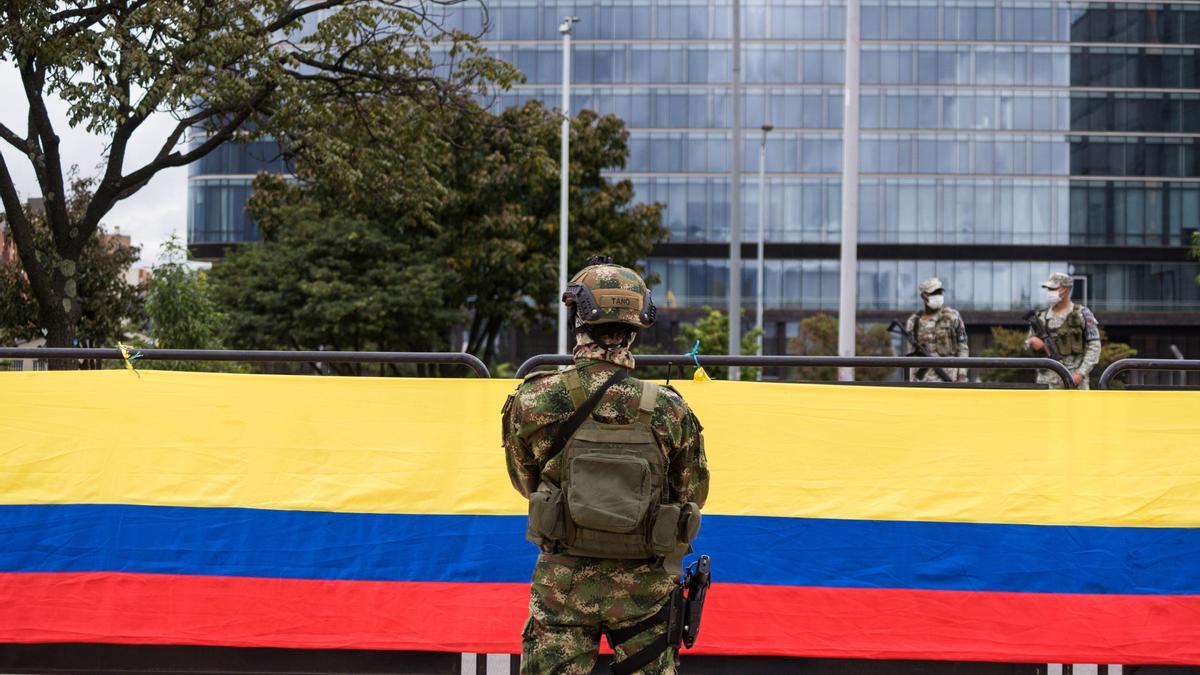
x: 151, y: 215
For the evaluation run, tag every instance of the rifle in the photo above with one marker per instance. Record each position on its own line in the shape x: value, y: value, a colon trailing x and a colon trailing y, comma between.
x: 917, y: 350
x: 687, y: 604
x: 1042, y: 331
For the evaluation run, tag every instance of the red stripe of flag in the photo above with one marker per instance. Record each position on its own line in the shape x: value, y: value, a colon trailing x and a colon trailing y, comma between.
x: 481, y: 617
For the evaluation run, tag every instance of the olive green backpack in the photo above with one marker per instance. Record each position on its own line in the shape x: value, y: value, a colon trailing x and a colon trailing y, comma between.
x: 613, y: 501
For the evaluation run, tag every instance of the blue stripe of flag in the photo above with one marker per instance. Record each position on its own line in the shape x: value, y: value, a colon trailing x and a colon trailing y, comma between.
x: 472, y: 548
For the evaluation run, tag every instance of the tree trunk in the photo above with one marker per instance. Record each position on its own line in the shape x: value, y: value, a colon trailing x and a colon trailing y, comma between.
x: 59, y: 333
x: 473, y: 338
x: 490, y: 332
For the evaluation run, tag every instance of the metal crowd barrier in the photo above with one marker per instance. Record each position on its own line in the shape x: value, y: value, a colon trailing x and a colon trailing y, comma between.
x: 1118, y: 367
x: 253, y: 355
x: 831, y: 361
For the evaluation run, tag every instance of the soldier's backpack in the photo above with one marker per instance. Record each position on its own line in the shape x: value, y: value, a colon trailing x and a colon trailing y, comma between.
x: 613, y: 500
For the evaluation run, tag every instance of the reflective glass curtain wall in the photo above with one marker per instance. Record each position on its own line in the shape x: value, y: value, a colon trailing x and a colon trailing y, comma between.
x: 219, y: 185
x: 985, y: 124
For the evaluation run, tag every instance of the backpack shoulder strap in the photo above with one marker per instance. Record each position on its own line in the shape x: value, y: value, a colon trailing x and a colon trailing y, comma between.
x: 570, y: 378
x: 569, y: 427
x: 649, y: 399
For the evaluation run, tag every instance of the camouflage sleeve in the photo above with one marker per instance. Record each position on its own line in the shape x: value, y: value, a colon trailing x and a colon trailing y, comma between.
x: 1091, y: 334
x: 688, y: 472
x: 522, y: 465
x: 960, y: 334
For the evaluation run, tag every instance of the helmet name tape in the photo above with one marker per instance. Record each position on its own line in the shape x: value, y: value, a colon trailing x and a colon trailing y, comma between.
x: 618, y: 298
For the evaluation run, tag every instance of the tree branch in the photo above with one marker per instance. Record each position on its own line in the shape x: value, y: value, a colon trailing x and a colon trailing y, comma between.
x: 50, y: 177
x: 22, y: 229
x: 165, y: 158
x: 11, y: 137
x: 109, y: 186
x: 298, y: 12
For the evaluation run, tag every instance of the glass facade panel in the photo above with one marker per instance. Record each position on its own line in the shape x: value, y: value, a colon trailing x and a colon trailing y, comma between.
x: 1174, y: 23
x: 240, y: 159
x: 217, y: 211
x: 984, y: 122
x: 970, y: 285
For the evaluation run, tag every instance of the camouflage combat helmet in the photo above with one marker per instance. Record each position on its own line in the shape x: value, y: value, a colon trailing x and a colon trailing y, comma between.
x: 606, y: 293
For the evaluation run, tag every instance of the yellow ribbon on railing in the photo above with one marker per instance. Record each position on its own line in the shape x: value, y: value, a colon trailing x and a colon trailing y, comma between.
x: 699, y: 375
x: 129, y: 359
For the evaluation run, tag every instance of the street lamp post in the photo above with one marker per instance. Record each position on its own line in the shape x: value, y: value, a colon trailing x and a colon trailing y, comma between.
x: 565, y: 29
x: 762, y: 219
x: 848, y: 270
x: 735, y: 200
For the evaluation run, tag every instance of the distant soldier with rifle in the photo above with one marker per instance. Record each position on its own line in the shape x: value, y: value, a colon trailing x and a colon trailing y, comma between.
x: 936, y: 330
x: 1064, y: 331
x: 615, y: 474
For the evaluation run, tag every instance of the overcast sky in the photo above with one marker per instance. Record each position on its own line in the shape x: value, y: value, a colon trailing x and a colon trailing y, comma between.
x: 150, y: 215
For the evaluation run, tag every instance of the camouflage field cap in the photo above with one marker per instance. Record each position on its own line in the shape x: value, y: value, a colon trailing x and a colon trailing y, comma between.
x: 1058, y: 280
x: 606, y: 293
x: 931, y: 285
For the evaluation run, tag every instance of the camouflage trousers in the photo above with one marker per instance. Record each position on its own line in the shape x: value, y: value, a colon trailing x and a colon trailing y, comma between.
x: 572, y: 600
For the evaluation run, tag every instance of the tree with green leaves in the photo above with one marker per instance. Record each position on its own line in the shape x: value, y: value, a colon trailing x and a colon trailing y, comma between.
x: 179, y: 303
x: 819, y: 337
x: 712, y: 330
x: 224, y: 70
x: 502, y: 214
x: 181, y: 312
x: 1007, y: 343
x: 323, y: 278
x: 462, y: 212
x: 98, y: 279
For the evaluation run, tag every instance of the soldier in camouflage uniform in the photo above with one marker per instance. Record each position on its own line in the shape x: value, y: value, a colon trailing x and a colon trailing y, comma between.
x: 940, y: 330
x: 1074, y: 329
x: 573, y: 599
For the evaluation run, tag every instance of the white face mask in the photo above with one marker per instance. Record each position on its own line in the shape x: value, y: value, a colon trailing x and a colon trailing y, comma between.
x: 1052, y: 297
x: 935, y: 302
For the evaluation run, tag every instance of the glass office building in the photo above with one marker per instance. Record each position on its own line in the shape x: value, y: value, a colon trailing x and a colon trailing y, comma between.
x: 1000, y: 140
x: 218, y: 186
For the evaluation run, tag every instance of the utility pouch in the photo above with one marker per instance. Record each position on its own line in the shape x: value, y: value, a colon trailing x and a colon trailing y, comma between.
x: 691, y: 522
x: 609, y: 492
x: 665, y: 535
x: 546, y: 522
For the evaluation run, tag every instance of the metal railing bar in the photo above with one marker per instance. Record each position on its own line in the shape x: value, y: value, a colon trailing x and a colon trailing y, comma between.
x: 832, y: 361
x: 1118, y: 367
x: 255, y: 355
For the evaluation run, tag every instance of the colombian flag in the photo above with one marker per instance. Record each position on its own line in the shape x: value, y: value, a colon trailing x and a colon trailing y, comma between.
x: 855, y: 522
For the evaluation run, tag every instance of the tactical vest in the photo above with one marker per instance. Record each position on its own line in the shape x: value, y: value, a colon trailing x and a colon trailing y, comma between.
x: 613, y: 500
x: 1070, y: 335
x: 945, y: 333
